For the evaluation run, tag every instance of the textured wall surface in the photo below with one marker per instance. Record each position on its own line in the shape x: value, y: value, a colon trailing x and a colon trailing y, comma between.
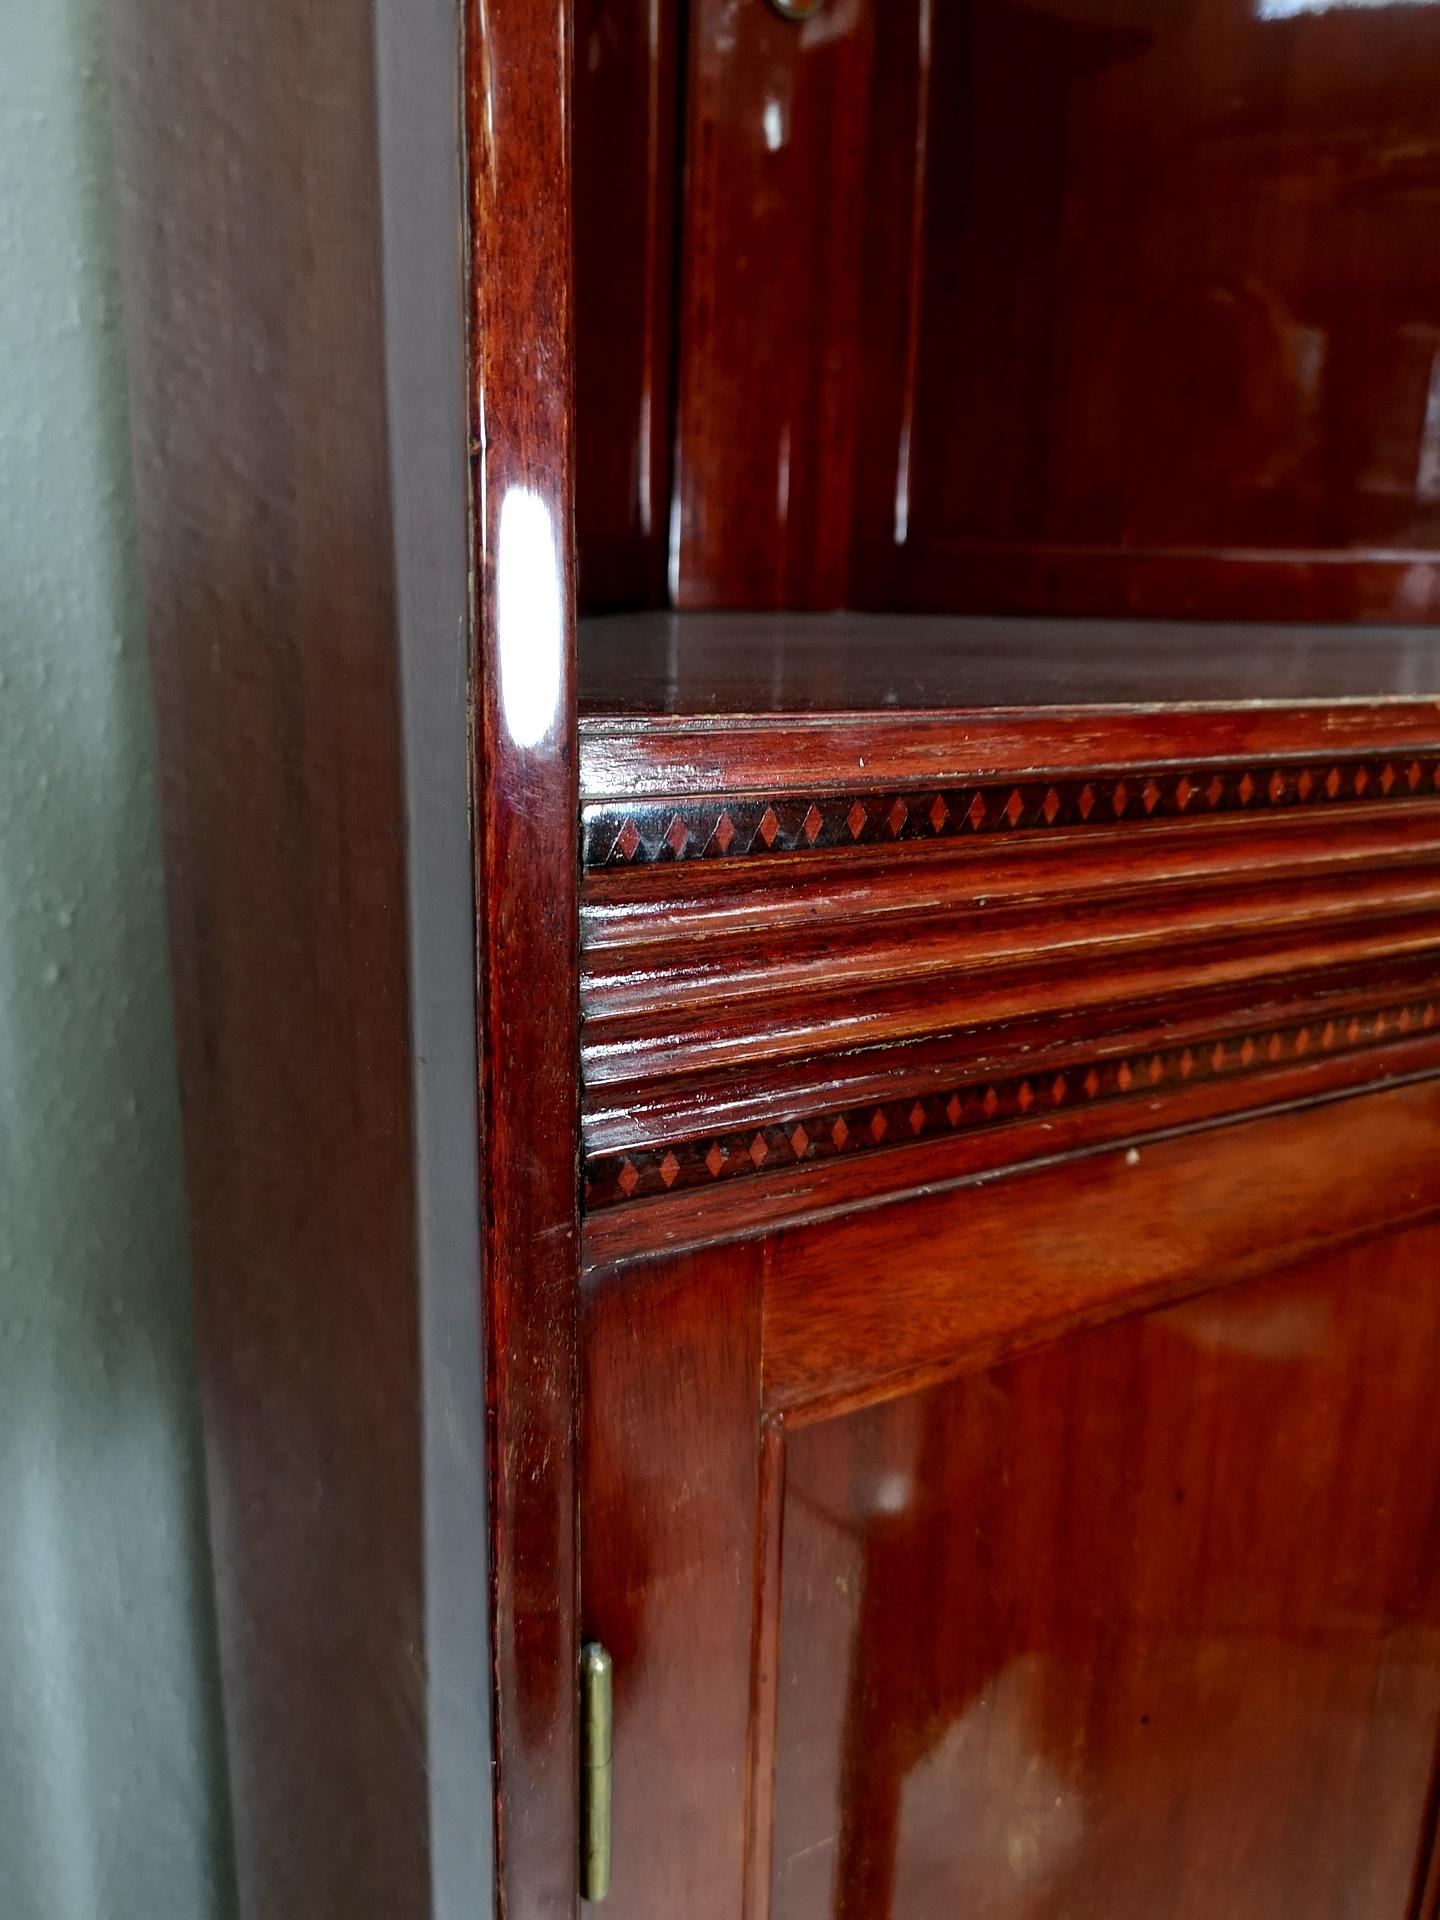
x: 111, y: 1782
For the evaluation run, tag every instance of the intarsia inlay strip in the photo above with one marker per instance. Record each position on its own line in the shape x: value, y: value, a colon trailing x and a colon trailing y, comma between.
x: 612, y: 1179
x: 727, y: 829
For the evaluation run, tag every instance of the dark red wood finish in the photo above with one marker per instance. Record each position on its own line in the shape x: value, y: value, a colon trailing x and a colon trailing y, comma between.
x: 517, y: 68
x: 994, y: 1658
x: 823, y: 953
x: 959, y: 1047
x: 671, y: 1391
x: 892, y: 668
x: 1146, y: 1622
x: 1200, y: 375
x: 297, y: 293
x: 626, y: 137
x: 897, y: 1297
x: 786, y: 926
x: 1103, y: 307
x: 769, y: 343
x: 276, y: 490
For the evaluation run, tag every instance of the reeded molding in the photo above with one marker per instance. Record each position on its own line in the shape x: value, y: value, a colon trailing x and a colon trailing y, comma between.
x: 781, y: 983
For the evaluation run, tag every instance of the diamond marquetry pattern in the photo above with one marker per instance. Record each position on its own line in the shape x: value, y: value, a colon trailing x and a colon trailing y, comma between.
x: 731, y: 828
x: 611, y: 1179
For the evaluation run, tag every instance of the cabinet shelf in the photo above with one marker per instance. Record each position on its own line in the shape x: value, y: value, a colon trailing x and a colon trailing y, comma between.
x: 660, y: 663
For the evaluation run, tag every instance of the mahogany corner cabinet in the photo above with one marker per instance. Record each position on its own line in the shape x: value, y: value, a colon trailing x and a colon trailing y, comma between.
x: 798, y: 685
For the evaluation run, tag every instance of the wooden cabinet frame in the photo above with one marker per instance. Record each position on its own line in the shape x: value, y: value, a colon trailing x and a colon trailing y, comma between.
x: 422, y: 886
x: 361, y: 626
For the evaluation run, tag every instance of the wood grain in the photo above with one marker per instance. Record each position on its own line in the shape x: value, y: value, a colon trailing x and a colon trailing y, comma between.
x: 517, y: 61
x: 300, y: 553
x: 765, y: 1667
x: 715, y: 664
x: 680, y: 757
x: 769, y: 305
x: 1020, y: 1106
x: 775, y: 976
x: 671, y: 1459
x: 820, y: 1191
x: 1055, y: 1637
x: 1106, y: 310
x: 626, y: 141
x: 876, y: 1305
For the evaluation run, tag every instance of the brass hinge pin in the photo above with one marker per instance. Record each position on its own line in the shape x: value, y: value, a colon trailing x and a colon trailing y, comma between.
x: 597, y: 1715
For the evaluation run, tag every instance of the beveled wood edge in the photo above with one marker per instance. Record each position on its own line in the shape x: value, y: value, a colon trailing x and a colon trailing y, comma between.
x: 633, y: 759
x: 807, y: 1195
x: 759, y: 1833
x: 697, y: 1047
x: 422, y: 221
x: 305, y: 561
x: 1246, y: 1228
x: 517, y: 60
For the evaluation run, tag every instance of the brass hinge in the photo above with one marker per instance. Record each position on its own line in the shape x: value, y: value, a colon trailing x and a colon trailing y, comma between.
x: 597, y: 1714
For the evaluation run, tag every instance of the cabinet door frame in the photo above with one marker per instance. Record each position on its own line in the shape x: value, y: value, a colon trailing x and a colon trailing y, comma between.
x: 739, y: 1344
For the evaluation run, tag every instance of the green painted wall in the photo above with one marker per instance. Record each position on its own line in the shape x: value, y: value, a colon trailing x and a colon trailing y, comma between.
x: 111, y: 1782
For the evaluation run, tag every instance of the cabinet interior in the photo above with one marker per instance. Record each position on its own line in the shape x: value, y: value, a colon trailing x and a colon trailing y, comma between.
x: 1092, y: 343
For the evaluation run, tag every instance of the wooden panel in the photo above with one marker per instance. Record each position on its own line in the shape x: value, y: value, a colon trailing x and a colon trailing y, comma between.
x: 660, y: 662
x: 869, y: 1307
x: 796, y: 758
x: 521, y: 422
x: 296, y: 309
x: 783, y: 978
x: 1105, y: 307
x: 626, y: 142
x: 769, y: 305
x: 1146, y: 1622
x: 670, y: 1454
x: 295, y: 322
x: 1202, y: 374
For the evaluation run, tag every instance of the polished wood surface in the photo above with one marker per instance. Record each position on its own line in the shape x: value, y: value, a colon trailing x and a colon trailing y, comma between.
x: 769, y: 316
x: 297, y: 285
x: 670, y: 1487
x: 823, y: 951
x: 771, y: 662
x: 1202, y: 371
x: 625, y: 134
x: 893, y: 1297
x: 1009, y: 1045
x: 1010, y: 1050
x: 277, y: 500
x: 1145, y: 1623
x: 870, y: 1046
x: 882, y: 1522
x: 1101, y: 306
x: 626, y: 758
x: 517, y: 64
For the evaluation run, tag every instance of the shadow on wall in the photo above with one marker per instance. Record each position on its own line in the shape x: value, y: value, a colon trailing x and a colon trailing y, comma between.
x: 112, y: 1801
